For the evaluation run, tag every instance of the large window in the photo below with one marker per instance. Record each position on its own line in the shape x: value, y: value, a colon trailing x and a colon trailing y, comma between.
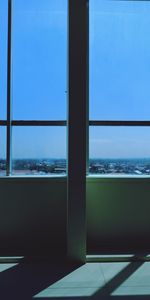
x: 34, y: 88
x: 33, y: 83
x: 119, y: 87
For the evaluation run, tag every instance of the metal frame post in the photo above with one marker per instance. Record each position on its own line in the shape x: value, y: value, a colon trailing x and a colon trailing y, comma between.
x: 8, y: 146
x: 77, y: 130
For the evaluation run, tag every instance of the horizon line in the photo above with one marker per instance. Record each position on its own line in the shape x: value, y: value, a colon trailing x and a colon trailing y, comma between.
x: 92, y: 158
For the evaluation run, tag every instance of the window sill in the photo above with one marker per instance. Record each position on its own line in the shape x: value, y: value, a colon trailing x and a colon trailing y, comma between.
x: 113, y: 178
x: 33, y: 178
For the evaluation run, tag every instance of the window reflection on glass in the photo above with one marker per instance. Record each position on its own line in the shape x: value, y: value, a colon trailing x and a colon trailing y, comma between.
x: 119, y: 60
x: 3, y: 58
x: 2, y: 151
x: 39, y: 150
x: 119, y: 150
x: 39, y: 59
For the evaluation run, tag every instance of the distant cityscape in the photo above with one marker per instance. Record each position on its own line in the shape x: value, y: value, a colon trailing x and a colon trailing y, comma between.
x: 97, y: 166
x: 120, y: 166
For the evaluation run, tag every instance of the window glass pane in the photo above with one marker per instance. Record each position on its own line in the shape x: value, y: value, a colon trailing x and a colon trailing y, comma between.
x: 119, y: 60
x: 39, y: 150
x: 3, y: 58
x: 39, y: 59
x: 120, y: 150
x: 2, y: 151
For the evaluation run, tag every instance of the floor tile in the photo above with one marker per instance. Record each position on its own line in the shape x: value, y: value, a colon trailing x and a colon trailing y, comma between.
x: 131, y: 290
x: 88, y: 275
x: 111, y: 270
x: 67, y: 292
x: 140, y: 276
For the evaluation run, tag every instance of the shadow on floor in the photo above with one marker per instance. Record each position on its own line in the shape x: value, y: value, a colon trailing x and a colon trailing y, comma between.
x: 26, y: 279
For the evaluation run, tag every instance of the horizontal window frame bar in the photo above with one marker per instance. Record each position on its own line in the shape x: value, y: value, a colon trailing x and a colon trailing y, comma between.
x: 118, y: 123
x: 39, y: 123
x: 3, y: 123
x: 64, y: 123
x: 34, y: 123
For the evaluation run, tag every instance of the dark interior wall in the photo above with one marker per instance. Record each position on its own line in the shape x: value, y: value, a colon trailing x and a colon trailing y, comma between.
x: 32, y: 216
x: 118, y: 215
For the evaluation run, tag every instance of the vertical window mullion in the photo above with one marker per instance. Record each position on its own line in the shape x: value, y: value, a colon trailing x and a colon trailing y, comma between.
x: 87, y: 89
x: 8, y: 141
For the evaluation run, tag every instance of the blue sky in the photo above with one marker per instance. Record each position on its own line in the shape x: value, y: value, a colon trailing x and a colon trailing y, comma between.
x: 119, y: 60
x: 119, y: 75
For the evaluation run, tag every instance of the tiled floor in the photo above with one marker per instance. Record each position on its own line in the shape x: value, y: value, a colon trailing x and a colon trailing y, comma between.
x: 43, y: 280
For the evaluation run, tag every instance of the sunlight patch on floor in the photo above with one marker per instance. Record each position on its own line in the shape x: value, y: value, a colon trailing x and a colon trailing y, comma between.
x: 132, y: 291
x: 67, y: 293
x: 82, y: 282
x: 138, y: 283
x: 4, y: 267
